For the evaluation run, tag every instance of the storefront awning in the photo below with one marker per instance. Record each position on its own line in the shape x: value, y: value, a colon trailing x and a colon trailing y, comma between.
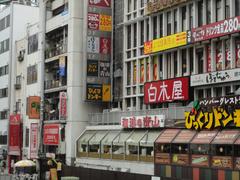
x: 185, y: 136
x: 108, y: 139
x: 237, y: 142
x: 86, y: 136
x: 149, y: 138
x: 226, y: 137
x: 204, y: 137
x: 135, y: 137
x: 121, y: 138
x: 97, y: 137
x: 167, y: 136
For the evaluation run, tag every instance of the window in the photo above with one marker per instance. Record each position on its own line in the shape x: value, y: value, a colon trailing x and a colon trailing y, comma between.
x: 175, y: 64
x: 218, y: 91
x: 222, y: 150
x: 227, y: 9
x: 191, y: 59
x: 161, y: 66
x: 200, y: 94
x: 142, y: 32
x: 200, y: 60
x: 208, y: 11
x: 129, y: 6
x: 154, y: 27
x: 190, y: 16
x: 184, y: 61
x: 128, y: 73
x: 129, y: 37
x: 169, y: 23
x: 200, y: 149
x: 219, y: 55
x: 175, y: 20
x: 32, y: 43
x: 3, y: 115
x: 135, y: 35
x: 218, y: 10
x: 3, y: 92
x: 32, y: 74
x: 3, y: 139
x: 27, y: 137
x: 161, y: 25
x: 18, y: 79
x: 4, y: 22
x: 200, y: 13
x: 209, y: 92
x: 4, y: 46
x: 184, y: 18
x: 147, y: 22
x: 4, y: 70
x: 237, y: 7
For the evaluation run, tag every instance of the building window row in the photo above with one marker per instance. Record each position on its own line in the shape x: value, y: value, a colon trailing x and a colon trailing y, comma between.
x: 4, y: 46
x: 3, y: 92
x: 4, y: 70
x: 32, y: 74
x: 4, y: 22
x: 3, y: 115
x: 32, y: 43
x: 3, y: 139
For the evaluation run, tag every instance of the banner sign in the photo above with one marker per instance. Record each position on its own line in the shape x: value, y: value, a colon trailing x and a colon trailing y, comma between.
x: 93, y: 21
x: 62, y: 66
x: 106, y: 89
x: 14, y: 135
x: 92, y: 68
x: 93, y: 44
x: 149, y: 121
x: 166, y: 90
x: 104, y: 69
x: 158, y: 5
x: 101, y: 3
x: 34, y: 107
x: 200, y: 160
x: 63, y: 105
x: 105, y: 46
x: 94, y: 92
x: 34, y: 141
x: 217, y: 29
x: 165, y: 43
x: 215, y: 77
x: 51, y: 134
x: 99, y: 22
x: 222, y: 162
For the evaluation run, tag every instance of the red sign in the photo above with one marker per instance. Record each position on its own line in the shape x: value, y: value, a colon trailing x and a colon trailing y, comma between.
x: 238, y: 53
x: 34, y: 141
x: 51, y: 134
x: 166, y: 91
x: 209, y: 69
x: 63, y: 105
x: 93, y: 21
x: 217, y: 29
x: 105, y: 45
x: 102, y: 3
x: 14, y: 135
x: 151, y: 121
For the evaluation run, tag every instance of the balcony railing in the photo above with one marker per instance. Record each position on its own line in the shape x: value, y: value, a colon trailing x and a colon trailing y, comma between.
x: 56, y: 51
x: 114, y: 118
x: 50, y: 84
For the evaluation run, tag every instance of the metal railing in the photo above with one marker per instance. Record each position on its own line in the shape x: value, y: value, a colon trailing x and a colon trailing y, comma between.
x: 114, y: 118
x: 55, y: 51
x: 50, y: 84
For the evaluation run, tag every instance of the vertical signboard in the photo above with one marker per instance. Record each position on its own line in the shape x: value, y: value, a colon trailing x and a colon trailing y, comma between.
x: 34, y: 107
x: 99, y: 45
x: 63, y: 105
x: 14, y: 135
x: 34, y: 141
x: 51, y: 134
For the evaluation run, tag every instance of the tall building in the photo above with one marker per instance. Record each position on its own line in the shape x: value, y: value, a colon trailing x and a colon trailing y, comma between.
x: 13, y: 23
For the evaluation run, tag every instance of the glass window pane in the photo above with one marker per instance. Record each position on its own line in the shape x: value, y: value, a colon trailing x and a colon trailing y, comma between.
x: 149, y: 138
x: 135, y: 137
x: 97, y: 137
x: 121, y: 138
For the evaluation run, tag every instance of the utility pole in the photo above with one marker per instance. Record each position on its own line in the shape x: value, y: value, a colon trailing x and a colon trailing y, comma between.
x: 42, y: 30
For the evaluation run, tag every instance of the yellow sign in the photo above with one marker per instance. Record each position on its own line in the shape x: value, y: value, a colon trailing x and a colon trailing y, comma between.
x: 106, y: 90
x: 165, y: 43
x: 105, y: 23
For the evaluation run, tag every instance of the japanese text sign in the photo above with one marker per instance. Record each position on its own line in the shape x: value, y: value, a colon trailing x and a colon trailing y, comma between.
x: 217, y: 29
x: 166, y: 90
x: 51, y: 134
x: 63, y: 105
x: 94, y: 92
x: 92, y: 68
x: 150, y: 121
x: 164, y: 43
x: 14, y: 135
x: 99, y: 22
x: 93, y: 21
x: 101, y: 3
x: 34, y: 140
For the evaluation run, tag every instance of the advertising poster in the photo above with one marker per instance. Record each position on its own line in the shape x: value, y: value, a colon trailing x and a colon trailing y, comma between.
x: 92, y: 68
x: 104, y: 69
x: 62, y: 66
x: 93, y: 44
x: 14, y: 134
x: 134, y: 72
x: 94, y: 92
x: 219, y: 58
x: 93, y: 21
x: 63, y: 105
x: 105, y: 23
x: 228, y: 55
x: 34, y: 141
x: 51, y: 134
x: 238, y: 53
x: 106, y: 89
x: 155, y: 68
x: 142, y: 71
x: 34, y: 107
x: 101, y: 3
x: 105, y: 45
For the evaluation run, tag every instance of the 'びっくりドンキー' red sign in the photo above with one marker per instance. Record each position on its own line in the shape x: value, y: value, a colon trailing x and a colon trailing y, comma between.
x: 217, y: 29
x: 51, y: 134
x: 166, y: 90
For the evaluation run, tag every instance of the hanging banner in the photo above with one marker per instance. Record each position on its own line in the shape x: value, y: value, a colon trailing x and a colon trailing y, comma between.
x: 105, y: 45
x: 63, y: 105
x: 106, y: 89
x: 94, y: 92
x: 93, y: 21
x: 92, y: 68
x: 105, y: 23
x: 62, y: 66
x: 104, y: 69
x: 142, y: 71
x: 14, y: 135
x: 134, y: 72
x: 93, y: 44
x: 51, y: 134
x: 217, y: 29
x: 34, y: 141
x: 166, y: 90
x: 34, y: 107
x: 101, y: 3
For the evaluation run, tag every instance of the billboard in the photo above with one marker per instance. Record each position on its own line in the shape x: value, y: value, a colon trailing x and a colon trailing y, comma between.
x: 166, y: 90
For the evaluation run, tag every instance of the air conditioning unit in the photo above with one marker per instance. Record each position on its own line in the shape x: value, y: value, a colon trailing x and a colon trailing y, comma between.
x: 21, y: 55
x: 17, y: 86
